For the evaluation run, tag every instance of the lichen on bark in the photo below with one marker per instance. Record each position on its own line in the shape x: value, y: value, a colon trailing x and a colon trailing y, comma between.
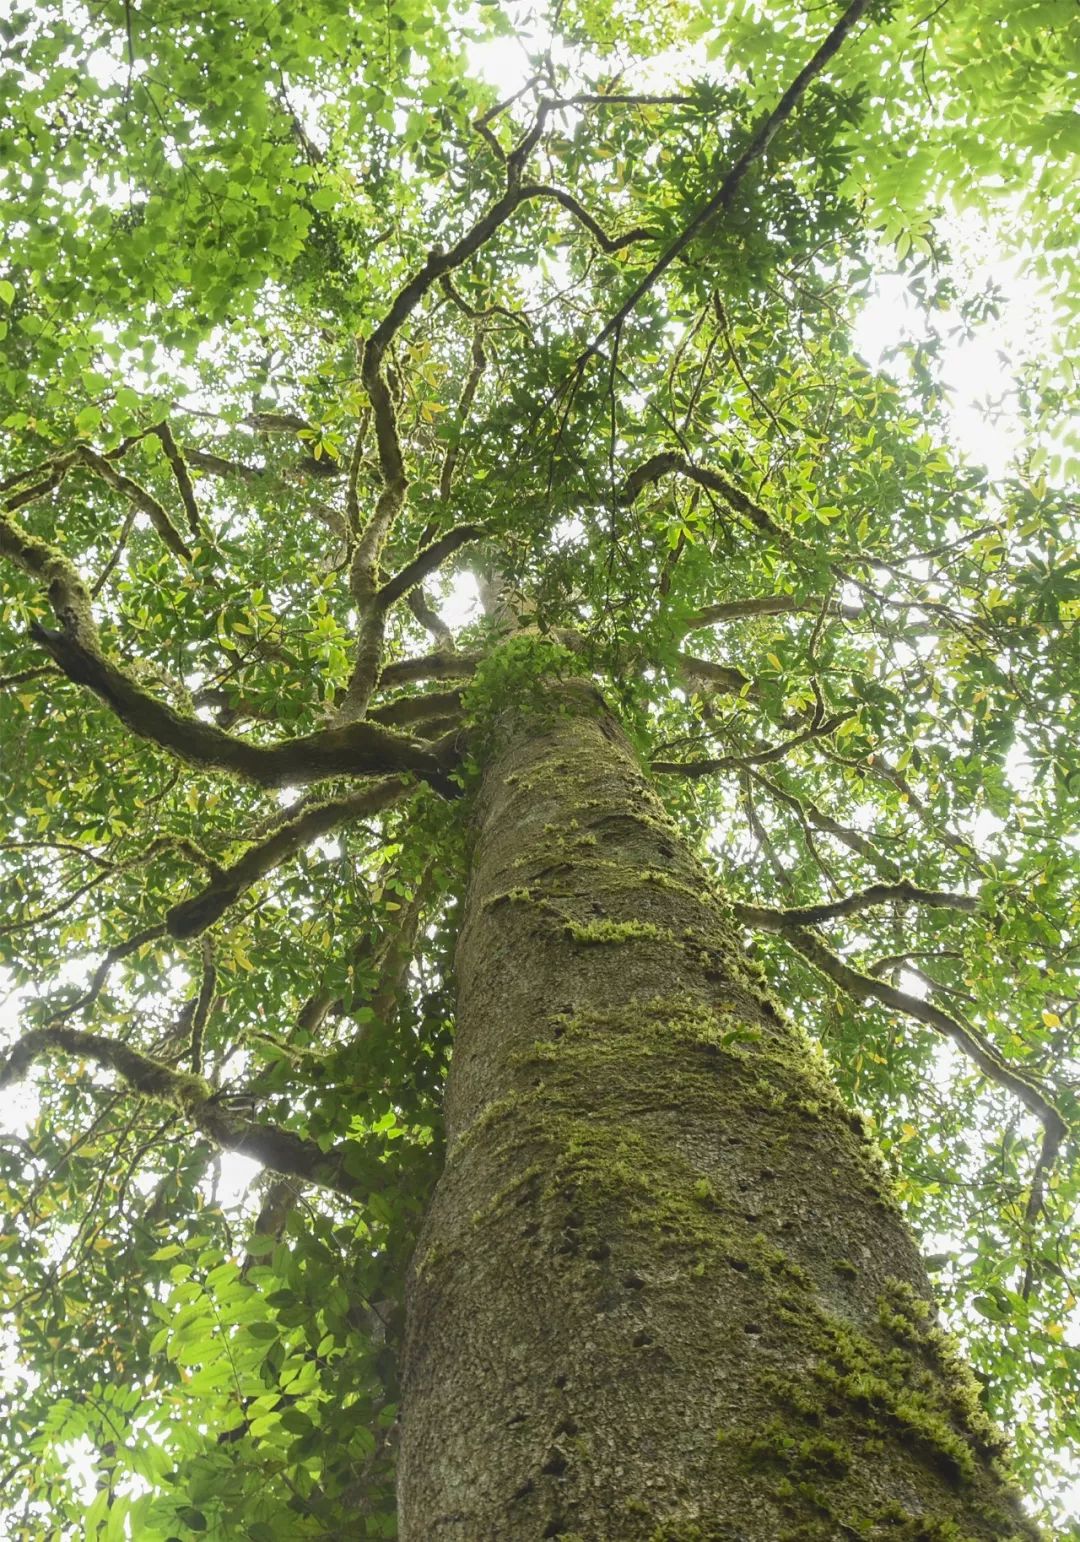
x: 663, y: 1292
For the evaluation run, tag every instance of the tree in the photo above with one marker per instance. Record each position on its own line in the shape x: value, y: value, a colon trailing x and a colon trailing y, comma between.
x: 727, y: 842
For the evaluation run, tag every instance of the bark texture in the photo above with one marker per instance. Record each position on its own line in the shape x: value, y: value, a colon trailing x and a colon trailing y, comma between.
x: 663, y: 1292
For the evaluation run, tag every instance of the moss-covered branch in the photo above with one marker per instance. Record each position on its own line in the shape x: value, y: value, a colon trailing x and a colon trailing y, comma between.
x: 371, y: 537
x: 430, y: 666
x: 141, y: 499
x: 372, y: 602
x: 766, y: 919
x: 194, y: 915
x: 432, y: 706
x: 477, y: 366
x: 219, y: 466
x: 201, y: 1007
x: 428, y: 618
x: 347, y: 1168
x: 721, y: 677
x: 355, y: 749
x: 426, y: 562
x: 352, y: 749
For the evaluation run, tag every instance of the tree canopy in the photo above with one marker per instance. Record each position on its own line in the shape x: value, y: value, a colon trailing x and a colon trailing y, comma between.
x: 311, y: 332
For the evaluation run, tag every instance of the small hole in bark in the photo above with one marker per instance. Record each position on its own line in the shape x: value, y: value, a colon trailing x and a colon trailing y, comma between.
x: 642, y: 1339
x: 514, y: 1420
x: 525, y: 1488
x: 751, y: 1215
x: 560, y: 1381
x: 600, y: 1252
x: 530, y: 1230
x: 572, y: 1222
x: 568, y: 1426
x: 556, y: 1464
x: 554, y: 1528
x: 767, y: 1172
x: 752, y: 1327
x: 739, y: 1264
x: 567, y: 1248
x: 634, y: 1282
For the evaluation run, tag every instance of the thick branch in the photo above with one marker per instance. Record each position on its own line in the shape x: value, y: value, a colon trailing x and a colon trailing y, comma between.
x: 194, y: 915
x: 201, y: 1007
x: 478, y: 363
x: 183, y: 478
x: 430, y: 666
x: 698, y: 768
x: 766, y: 919
x: 57, y: 469
x: 278, y: 423
x: 431, y: 706
x: 364, y: 568
x: 346, y: 1168
x: 667, y: 461
x: 737, y: 610
x: 425, y: 562
x: 474, y: 312
x: 218, y: 466
x: 722, y: 677
x: 581, y: 214
x: 429, y: 619
x: 967, y: 1038
x: 144, y: 501
x: 440, y: 263
x: 353, y: 749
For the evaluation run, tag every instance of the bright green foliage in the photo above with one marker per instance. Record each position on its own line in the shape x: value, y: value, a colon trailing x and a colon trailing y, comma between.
x: 207, y: 213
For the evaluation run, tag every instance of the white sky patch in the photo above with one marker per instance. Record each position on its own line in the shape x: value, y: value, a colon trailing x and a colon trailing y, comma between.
x: 460, y: 604
x: 237, y: 1173
x: 979, y: 363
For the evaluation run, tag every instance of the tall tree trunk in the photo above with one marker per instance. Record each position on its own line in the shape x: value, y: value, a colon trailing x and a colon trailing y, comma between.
x: 663, y: 1292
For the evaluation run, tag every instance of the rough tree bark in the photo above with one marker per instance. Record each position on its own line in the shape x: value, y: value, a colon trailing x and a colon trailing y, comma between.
x: 663, y: 1292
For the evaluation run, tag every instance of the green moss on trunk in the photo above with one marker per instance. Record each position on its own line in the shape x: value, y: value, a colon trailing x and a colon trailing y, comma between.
x: 663, y: 1292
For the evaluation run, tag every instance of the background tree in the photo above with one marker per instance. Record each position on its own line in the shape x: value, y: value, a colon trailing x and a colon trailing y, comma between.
x: 304, y: 324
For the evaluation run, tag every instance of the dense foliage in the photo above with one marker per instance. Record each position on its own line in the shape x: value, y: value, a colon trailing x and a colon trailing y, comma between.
x: 291, y: 294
